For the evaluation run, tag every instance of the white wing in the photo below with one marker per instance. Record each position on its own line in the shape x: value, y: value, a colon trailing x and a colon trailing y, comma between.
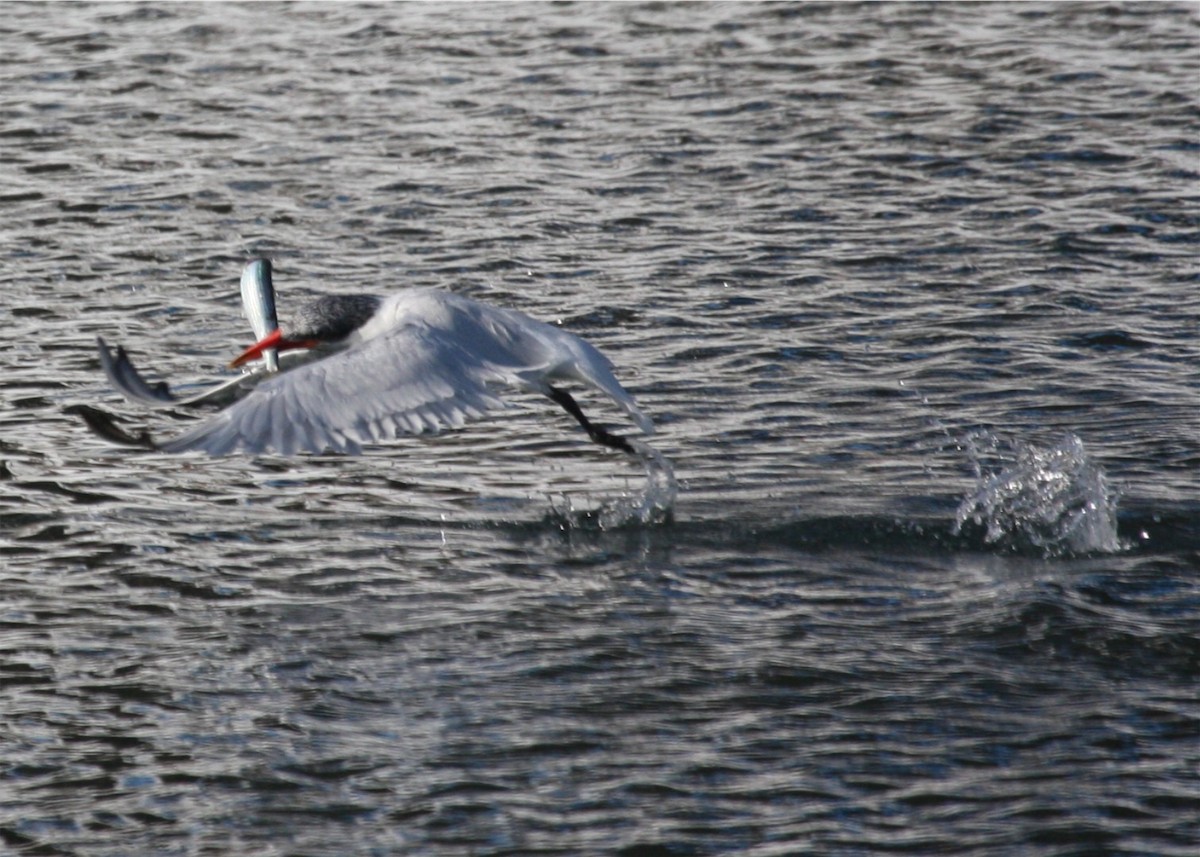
x: 429, y: 360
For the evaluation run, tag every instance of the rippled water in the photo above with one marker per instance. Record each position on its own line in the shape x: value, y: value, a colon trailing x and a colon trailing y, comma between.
x: 910, y: 290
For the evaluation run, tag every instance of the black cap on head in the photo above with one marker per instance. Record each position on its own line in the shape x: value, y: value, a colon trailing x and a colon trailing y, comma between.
x: 332, y: 317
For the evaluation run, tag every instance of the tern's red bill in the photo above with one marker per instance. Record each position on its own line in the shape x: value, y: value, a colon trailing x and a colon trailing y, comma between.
x: 275, y: 340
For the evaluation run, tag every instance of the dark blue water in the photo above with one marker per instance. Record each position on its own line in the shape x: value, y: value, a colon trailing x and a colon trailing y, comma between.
x: 910, y: 291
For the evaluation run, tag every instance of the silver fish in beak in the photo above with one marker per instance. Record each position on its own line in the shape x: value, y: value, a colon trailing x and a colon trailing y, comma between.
x: 258, y: 305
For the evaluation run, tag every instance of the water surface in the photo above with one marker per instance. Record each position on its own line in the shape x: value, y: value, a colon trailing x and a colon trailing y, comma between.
x: 909, y: 290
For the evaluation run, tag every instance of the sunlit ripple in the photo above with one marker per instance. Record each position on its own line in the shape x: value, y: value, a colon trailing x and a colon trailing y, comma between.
x: 825, y: 246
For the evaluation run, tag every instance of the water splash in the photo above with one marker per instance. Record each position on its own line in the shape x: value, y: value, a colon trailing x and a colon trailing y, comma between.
x: 1053, y: 499
x: 652, y: 505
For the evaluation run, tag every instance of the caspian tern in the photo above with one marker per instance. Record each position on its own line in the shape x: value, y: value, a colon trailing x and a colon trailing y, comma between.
x: 419, y: 361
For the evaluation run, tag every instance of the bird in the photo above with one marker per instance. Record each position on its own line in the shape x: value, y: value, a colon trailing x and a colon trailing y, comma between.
x: 419, y: 361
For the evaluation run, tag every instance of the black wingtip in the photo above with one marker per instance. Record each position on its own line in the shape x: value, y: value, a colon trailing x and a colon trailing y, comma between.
x: 122, y: 374
x: 103, y: 425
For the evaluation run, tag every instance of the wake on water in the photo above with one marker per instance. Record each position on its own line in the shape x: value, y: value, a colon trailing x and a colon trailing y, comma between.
x: 1051, y: 500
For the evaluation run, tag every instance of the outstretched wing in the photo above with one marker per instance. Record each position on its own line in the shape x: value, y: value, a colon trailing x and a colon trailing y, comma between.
x: 369, y: 393
x: 431, y: 361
